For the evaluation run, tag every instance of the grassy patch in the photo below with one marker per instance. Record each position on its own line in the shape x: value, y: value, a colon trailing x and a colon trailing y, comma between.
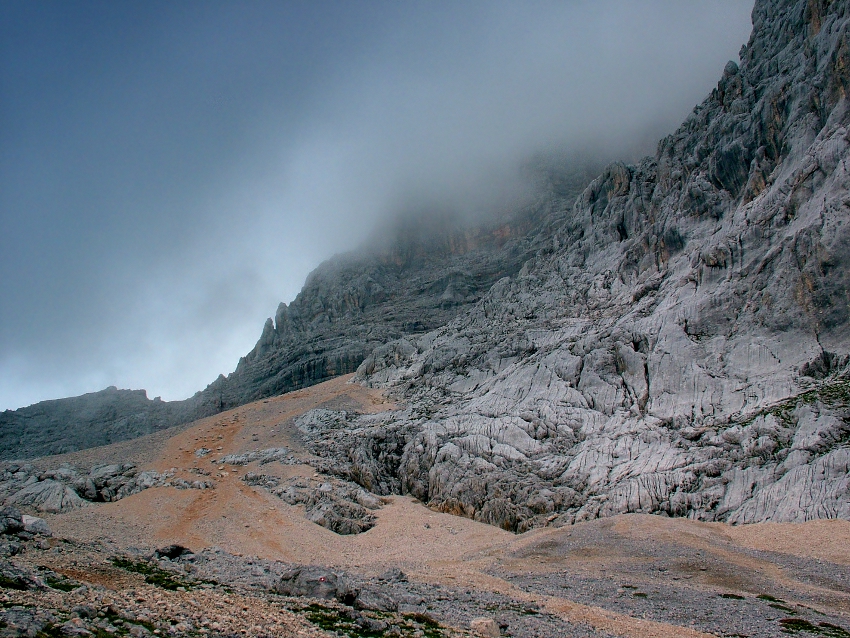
x: 12, y: 583
x: 769, y: 598
x: 427, y: 625
x: 62, y: 584
x: 732, y: 596
x: 356, y: 625
x: 153, y: 574
x: 835, y: 393
x: 638, y: 594
x: 798, y: 625
x: 331, y: 619
x: 58, y: 581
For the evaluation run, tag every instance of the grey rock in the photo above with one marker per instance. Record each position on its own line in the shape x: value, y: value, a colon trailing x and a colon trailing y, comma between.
x: 35, y: 525
x: 11, y: 520
x: 19, y: 577
x: 66, y: 488
x: 416, y: 277
x: 485, y: 627
x: 267, y: 455
x: 172, y: 552
x: 374, y: 599
x: 316, y: 582
x: 682, y: 349
x: 89, y: 420
x: 47, y: 496
x: 340, y: 506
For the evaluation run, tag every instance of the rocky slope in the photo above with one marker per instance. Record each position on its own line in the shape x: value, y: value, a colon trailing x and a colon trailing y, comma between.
x: 679, y: 346
x: 674, y: 340
x: 248, y: 557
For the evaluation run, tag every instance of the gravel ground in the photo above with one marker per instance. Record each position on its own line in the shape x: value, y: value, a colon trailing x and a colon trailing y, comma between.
x: 53, y: 587
x: 638, y: 576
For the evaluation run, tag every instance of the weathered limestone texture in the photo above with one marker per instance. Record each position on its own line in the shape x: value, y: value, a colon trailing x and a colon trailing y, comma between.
x: 679, y: 346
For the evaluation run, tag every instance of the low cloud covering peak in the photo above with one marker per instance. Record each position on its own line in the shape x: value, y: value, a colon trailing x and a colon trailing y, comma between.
x: 170, y: 172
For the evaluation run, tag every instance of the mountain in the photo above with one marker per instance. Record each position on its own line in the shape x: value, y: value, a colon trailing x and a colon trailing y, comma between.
x: 414, y: 278
x: 670, y: 337
x: 420, y: 274
x: 90, y: 420
x: 678, y: 345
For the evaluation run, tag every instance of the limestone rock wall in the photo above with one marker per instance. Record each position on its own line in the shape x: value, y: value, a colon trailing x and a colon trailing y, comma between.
x: 679, y: 345
x: 416, y: 279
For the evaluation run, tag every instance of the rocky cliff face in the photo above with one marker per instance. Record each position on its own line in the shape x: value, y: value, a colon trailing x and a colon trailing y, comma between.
x: 679, y: 343
x: 415, y: 279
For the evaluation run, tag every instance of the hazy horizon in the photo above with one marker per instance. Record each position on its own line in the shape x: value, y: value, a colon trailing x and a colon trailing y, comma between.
x: 169, y: 172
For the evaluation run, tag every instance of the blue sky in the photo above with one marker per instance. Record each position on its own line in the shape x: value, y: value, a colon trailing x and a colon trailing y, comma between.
x: 170, y: 171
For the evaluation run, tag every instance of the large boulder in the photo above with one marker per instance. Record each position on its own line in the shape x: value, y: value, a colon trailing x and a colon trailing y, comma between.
x: 316, y: 582
x: 47, y: 496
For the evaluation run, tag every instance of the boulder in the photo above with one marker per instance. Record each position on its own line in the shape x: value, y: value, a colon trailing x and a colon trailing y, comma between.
x: 316, y: 582
x: 11, y: 520
x: 35, y: 525
x: 47, y: 496
x: 485, y: 627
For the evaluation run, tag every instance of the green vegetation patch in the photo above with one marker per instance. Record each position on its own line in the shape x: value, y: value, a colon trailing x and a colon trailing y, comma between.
x: 427, y: 625
x: 51, y: 631
x: 347, y: 622
x: 769, y: 598
x: 835, y: 394
x: 732, y: 596
x: 331, y: 619
x: 798, y: 625
x: 58, y: 581
x: 61, y: 583
x: 12, y: 583
x: 153, y: 575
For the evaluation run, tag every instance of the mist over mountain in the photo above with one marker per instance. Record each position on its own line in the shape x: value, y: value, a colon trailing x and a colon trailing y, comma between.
x: 670, y: 336
x: 169, y: 176
x: 574, y: 395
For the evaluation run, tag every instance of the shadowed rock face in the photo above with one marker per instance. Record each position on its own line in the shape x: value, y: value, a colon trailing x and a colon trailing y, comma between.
x: 416, y: 279
x: 423, y: 274
x: 678, y: 345
x: 89, y: 420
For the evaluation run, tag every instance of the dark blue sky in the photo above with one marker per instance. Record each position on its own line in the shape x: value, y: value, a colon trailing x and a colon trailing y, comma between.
x: 170, y: 171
